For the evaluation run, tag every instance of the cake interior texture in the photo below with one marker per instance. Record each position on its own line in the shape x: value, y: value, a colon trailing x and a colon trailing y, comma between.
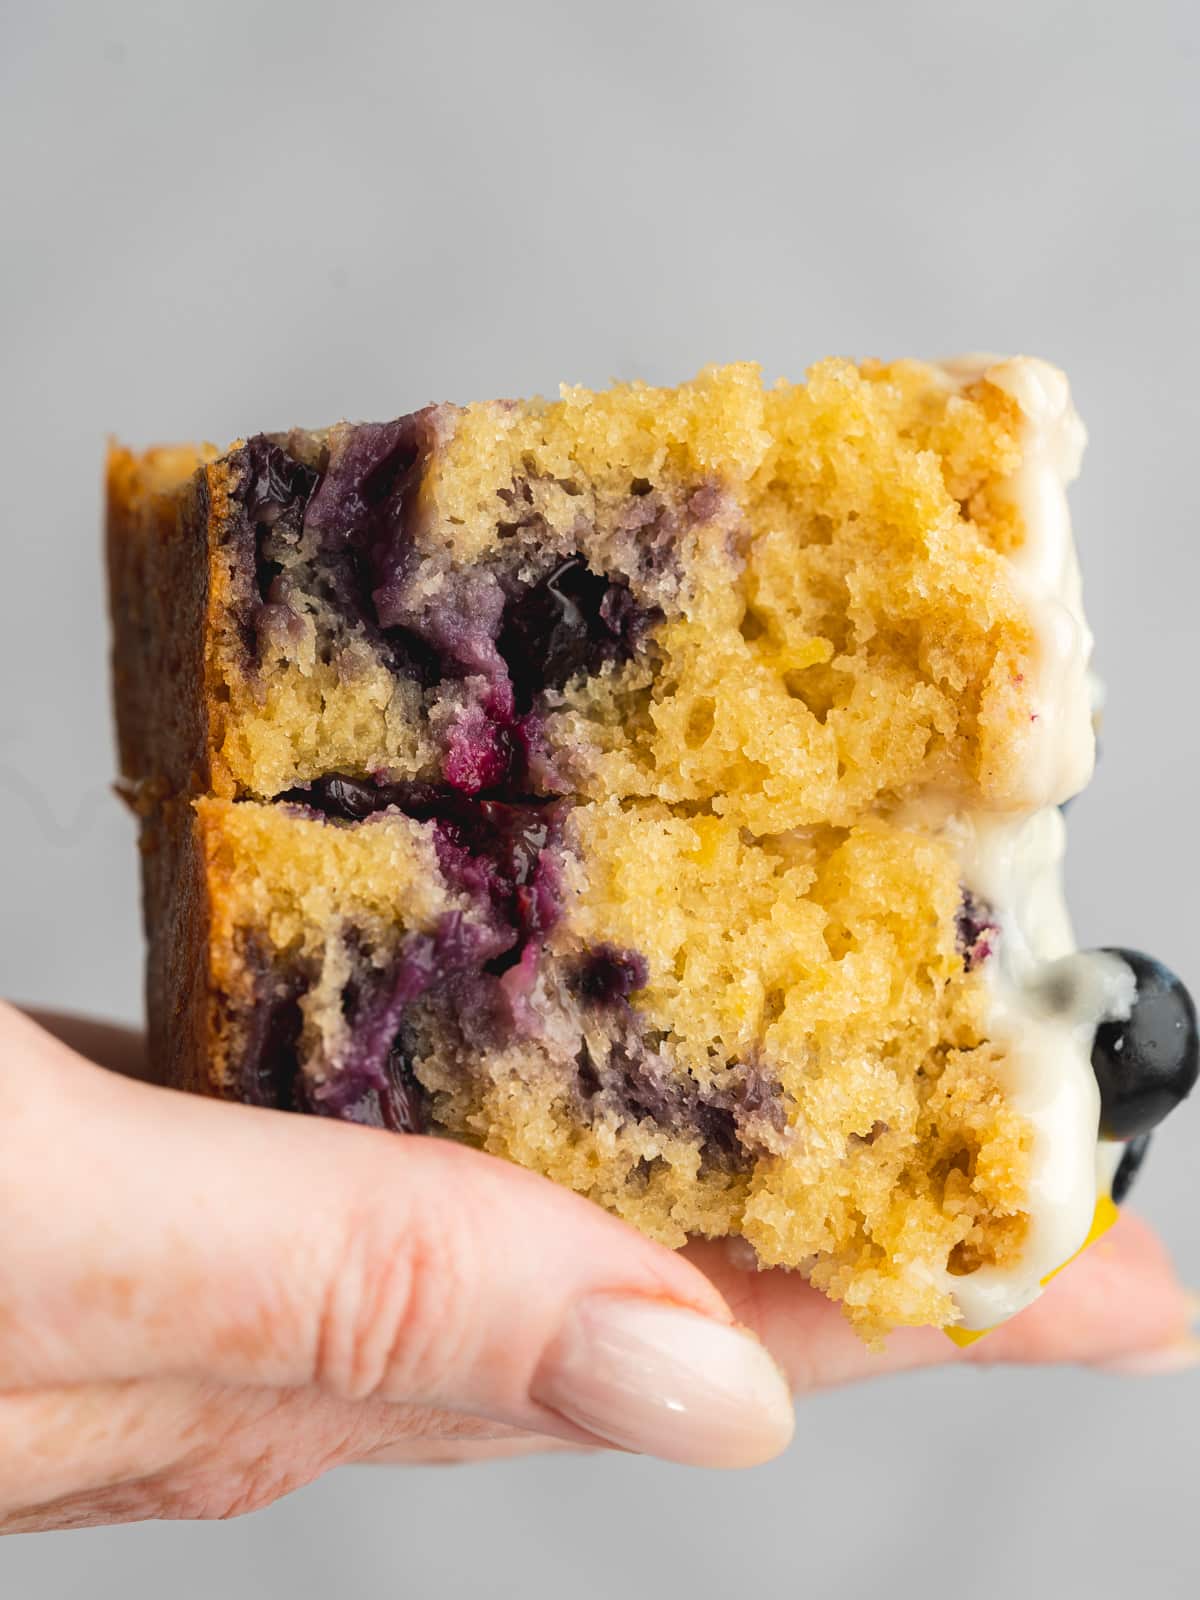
x: 585, y: 780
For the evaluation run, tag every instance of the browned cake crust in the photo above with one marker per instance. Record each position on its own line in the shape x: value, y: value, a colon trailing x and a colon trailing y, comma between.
x: 160, y: 526
x: 164, y: 513
x: 182, y: 1014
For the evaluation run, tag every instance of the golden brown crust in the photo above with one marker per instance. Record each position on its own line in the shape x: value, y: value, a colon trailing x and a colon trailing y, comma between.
x: 182, y: 1017
x: 163, y: 509
x: 158, y: 537
x: 157, y: 556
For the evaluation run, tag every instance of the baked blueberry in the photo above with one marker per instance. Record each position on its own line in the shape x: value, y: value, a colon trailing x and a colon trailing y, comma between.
x: 1147, y: 1062
x: 572, y: 622
x: 976, y: 930
x: 606, y: 976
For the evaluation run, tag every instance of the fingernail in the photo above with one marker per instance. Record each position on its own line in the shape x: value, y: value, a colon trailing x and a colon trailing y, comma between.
x: 1178, y: 1356
x: 667, y: 1382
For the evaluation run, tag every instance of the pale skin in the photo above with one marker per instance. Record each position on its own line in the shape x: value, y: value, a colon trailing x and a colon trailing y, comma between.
x: 204, y: 1306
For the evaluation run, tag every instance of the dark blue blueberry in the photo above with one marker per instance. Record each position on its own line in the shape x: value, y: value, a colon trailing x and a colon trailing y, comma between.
x: 345, y: 531
x: 354, y: 799
x: 398, y: 1102
x: 273, y: 489
x: 364, y: 495
x: 272, y: 481
x: 1147, y: 1062
x: 351, y: 799
x: 403, y: 1103
x: 607, y: 975
x: 636, y: 1084
x: 573, y: 621
x: 1129, y: 1166
x: 267, y: 1070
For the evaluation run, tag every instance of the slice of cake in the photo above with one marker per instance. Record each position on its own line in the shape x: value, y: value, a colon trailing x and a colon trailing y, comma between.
x: 658, y: 788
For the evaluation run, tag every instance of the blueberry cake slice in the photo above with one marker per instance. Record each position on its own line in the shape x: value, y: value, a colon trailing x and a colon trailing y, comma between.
x: 658, y: 788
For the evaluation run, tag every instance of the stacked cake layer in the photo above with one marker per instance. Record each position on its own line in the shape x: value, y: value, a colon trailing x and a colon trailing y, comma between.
x: 655, y: 787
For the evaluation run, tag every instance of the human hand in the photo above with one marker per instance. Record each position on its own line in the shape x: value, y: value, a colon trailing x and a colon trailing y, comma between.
x: 203, y: 1306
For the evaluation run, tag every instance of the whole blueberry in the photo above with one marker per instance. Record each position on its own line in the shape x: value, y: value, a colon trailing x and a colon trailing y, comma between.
x: 1129, y: 1166
x: 1147, y: 1062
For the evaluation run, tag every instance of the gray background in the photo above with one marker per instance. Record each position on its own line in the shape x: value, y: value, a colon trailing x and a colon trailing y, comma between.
x: 222, y: 217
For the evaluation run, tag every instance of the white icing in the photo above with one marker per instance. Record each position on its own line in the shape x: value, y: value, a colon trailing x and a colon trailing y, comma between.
x: 1059, y: 752
x: 1062, y: 747
x: 1045, y: 1002
x: 1045, y: 998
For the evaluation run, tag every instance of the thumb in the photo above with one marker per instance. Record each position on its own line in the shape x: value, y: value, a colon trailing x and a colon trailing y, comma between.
x: 150, y: 1233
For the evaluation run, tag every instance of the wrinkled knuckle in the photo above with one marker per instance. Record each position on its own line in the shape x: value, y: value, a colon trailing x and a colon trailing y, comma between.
x: 397, y: 1310
x: 254, y: 1489
x: 178, y: 1500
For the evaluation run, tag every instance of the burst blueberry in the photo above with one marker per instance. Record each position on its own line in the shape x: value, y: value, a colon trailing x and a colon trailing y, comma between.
x: 573, y: 621
x: 608, y: 975
x: 976, y: 929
